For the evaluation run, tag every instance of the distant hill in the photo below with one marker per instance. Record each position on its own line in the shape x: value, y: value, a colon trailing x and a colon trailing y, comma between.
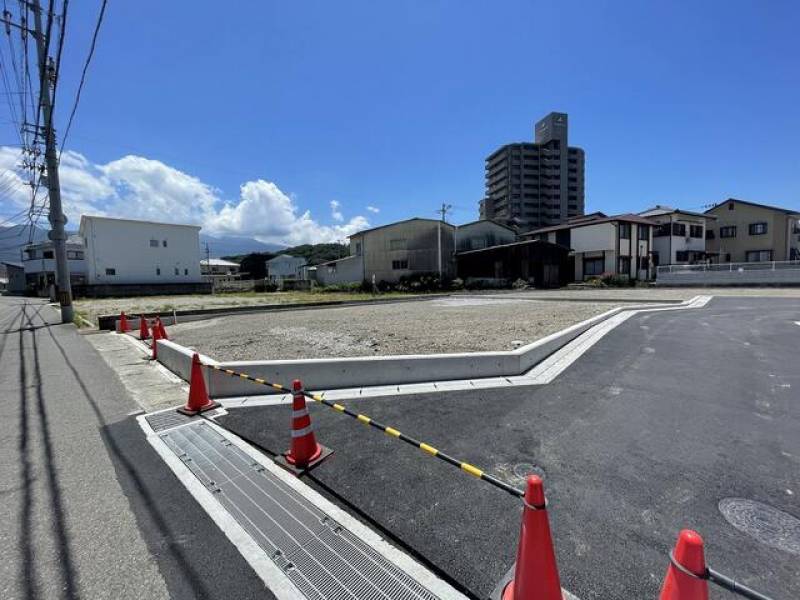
x: 253, y: 263
x: 232, y: 245
x: 13, y: 238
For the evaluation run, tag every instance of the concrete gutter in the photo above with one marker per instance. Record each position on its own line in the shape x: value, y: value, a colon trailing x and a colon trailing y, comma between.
x: 111, y: 322
x: 337, y: 373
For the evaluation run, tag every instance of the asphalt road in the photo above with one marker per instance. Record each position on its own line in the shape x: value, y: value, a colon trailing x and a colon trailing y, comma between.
x: 87, y: 508
x: 645, y: 434
x: 66, y: 528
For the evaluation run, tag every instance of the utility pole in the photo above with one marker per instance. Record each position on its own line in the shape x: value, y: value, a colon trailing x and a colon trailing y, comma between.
x: 443, y: 211
x: 56, y: 215
x: 209, y: 274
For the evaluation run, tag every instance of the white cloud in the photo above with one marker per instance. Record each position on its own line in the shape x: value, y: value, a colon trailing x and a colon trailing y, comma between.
x: 15, y: 193
x: 373, y: 209
x: 141, y: 188
x: 336, y: 212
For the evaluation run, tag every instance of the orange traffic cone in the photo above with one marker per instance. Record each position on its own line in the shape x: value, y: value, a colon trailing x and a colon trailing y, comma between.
x: 123, y: 323
x: 686, y: 574
x: 144, y: 333
x: 154, y: 343
x: 198, y: 396
x: 304, y: 450
x: 161, y: 329
x: 536, y: 572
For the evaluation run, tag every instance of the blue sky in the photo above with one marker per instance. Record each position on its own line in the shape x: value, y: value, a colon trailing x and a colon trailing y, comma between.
x: 395, y: 105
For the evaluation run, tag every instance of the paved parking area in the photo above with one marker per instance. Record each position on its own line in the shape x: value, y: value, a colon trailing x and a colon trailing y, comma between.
x: 667, y: 416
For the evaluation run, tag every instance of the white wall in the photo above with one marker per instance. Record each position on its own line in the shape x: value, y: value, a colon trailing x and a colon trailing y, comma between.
x: 125, y: 246
x: 344, y: 270
x: 592, y: 238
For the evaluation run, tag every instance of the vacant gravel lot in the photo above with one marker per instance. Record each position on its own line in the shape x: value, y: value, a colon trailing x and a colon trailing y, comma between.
x: 456, y: 324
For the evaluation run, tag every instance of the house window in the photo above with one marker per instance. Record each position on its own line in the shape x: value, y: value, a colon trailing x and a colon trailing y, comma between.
x: 111, y: 271
x: 75, y: 254
x: 177, y: 271
x: 397, y: 244
x: 644, y: 233
x: 625, y: 231
x: 399, y: 265
x: 681, y: 256
x: 593, y: 266
x: 679, y: 229
x: 758, y: 255
x: 730, y: 206
x: 358, y: 248
x: 624, y: 266
x: 661, y: 230
x: 186, y: 272
x: 696, y: 231
x: 709, y: 234
x: 164, y: 243
x: 158, y: 270
x: 757, y: 229
x: 154, y: 243
x: 727, y: 232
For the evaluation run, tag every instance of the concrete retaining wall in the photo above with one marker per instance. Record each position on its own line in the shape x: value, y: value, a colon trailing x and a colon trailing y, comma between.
x: 778, y: 277
x: 178, y: 359
x: 333, y: 373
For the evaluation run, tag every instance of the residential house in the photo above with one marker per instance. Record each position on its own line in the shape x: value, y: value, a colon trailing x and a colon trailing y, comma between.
x: 15, y: 276
x: 217, y: 270
x: 39, y: 264
x: 679, y: 236
x: 482, y: 234
x: 286, y: 268
x: 749, y: 232
x: 604, y: 245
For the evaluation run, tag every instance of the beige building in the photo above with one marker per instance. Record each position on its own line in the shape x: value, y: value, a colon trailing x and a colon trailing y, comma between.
x: 535, y: 184
x: 750, y: 232
x: 601, y: 245
x: 389, y: 252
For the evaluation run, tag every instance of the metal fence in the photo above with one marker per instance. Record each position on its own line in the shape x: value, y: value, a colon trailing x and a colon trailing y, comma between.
x: 730, y: 267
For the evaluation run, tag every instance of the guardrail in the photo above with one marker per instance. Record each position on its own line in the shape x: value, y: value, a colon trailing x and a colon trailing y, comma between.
x: 730, y: 267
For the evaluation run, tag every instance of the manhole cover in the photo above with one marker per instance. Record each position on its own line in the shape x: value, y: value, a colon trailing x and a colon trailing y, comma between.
x: 765, y: 523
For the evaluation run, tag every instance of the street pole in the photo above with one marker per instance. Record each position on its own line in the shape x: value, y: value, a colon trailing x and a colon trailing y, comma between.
x: 443, y: 212
x: 56, y: 215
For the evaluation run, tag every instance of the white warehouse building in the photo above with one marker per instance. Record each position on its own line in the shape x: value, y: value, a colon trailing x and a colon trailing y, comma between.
x: 122, y: 257
x: 124, y: 251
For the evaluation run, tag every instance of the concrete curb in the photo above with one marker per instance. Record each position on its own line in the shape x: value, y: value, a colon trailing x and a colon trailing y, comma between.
x: 337, y: 373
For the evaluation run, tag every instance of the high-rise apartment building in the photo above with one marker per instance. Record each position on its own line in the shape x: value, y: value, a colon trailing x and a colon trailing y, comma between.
x: 535, y: 184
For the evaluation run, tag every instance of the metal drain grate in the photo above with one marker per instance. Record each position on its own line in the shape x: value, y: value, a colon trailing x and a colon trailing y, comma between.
x: 168, y: 419
x: 322, y: 558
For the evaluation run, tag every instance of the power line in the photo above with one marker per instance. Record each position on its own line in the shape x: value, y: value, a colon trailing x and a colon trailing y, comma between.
x: 83, y: 75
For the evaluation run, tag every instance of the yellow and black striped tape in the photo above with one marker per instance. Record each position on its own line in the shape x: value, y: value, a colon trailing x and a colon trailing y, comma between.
x: 390, y: 431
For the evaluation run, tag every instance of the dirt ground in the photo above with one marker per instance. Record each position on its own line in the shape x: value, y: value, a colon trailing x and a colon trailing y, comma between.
x: 91, y: 308
x: 455, y: 324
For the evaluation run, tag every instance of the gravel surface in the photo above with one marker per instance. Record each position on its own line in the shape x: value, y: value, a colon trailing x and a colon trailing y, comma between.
x: 456, y: 324
x: 91, y: 308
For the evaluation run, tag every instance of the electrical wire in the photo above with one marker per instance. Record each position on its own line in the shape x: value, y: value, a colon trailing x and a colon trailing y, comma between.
x: 83, y: 75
